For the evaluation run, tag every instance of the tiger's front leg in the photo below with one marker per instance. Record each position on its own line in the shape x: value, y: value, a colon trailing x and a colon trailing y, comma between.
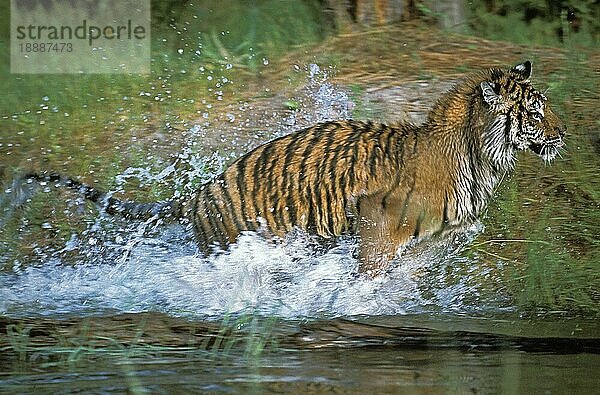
x: 381, y: 234
x: 375, y: 253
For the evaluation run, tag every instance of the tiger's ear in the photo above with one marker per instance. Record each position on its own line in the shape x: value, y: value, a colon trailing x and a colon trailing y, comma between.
x: 523, y: 70
x: 488, y: 93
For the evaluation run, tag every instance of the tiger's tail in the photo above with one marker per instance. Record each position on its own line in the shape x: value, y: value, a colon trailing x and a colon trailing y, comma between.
x: 167, y: 209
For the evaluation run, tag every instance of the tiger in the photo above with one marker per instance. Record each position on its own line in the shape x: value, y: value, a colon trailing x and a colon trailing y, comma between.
x: 389, y: 185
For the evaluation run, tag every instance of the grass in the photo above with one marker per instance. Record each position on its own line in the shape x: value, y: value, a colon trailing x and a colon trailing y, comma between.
x: 363, y: 109
x: 196, y: 60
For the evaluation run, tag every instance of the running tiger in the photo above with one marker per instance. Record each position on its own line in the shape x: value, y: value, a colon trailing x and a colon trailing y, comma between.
x: 389, y: 184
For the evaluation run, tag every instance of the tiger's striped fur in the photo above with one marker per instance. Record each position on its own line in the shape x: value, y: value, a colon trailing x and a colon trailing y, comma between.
x: 390, y: 184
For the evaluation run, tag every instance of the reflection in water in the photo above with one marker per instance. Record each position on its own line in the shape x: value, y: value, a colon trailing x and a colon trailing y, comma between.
x: 324, y: 371
x: 394, y: 354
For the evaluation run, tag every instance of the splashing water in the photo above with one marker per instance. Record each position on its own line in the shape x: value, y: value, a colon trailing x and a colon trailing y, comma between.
x: 288, y: 279
x: 161, y: 271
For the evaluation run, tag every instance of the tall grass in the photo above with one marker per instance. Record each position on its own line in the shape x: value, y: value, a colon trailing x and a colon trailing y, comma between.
x: 191, y: 42
x: 535, y: 22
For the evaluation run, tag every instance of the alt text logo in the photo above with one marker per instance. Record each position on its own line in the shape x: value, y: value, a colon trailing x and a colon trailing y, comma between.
x: 62, y: 36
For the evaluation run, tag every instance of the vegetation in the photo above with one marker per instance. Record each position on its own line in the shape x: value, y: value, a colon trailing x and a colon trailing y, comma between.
x: 540, y: 22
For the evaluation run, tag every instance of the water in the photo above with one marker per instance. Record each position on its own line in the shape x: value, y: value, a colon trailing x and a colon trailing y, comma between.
x: 453, y: 371
x: 405, y: 354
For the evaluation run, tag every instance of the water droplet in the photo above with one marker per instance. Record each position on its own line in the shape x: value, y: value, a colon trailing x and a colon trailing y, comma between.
x: 265, y: 61
x: 314, y: 70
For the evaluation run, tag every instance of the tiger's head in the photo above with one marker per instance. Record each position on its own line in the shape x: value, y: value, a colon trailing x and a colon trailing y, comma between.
x: 521, y: 116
